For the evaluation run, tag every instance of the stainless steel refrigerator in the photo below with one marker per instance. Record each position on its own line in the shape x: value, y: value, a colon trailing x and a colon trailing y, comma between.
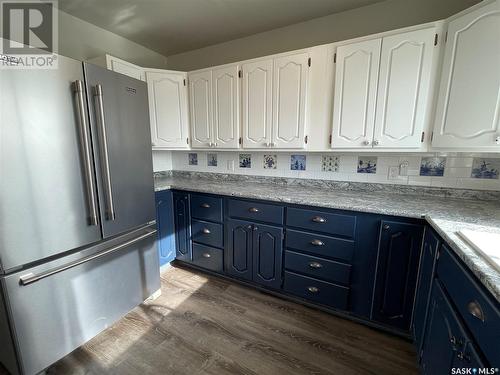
x: 77, y: 214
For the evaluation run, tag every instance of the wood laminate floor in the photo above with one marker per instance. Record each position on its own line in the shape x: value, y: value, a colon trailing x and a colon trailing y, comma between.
x: 206, y: 325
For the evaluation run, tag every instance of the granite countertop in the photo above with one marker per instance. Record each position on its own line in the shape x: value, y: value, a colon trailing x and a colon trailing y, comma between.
x: 446, y: 215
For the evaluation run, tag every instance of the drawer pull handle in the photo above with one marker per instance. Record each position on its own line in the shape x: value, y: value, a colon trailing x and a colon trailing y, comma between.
x: 206, y: 231
x: 206, y: 255
x: 204, y: 205
x: 475, y: 310
x: 313, y: 289
x: 315, y: 265
x: 317, y: 243
x: 319, y: 219
x: 253, y: 209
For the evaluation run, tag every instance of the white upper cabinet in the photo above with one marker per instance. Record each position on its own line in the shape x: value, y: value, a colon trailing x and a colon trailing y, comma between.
x: 124, y: 67
x: 468, y: 112
x: 200, y: 103
x: 257, y: 102
x: 167, y: 93
x: 355, y: 94
x: 403, y: 99
x: 226, y: 99
x: 290, y: 89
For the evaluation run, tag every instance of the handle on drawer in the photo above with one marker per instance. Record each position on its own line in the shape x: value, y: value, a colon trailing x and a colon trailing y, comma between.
x: 313, y: 289
x: 318, y: 219
x: 206, y: 231
x: 253, y: 209
x: 204, y: 205
x: 317, y: 243
x: 475, y: 310
x: 315, y: 265
x: 206, y: 255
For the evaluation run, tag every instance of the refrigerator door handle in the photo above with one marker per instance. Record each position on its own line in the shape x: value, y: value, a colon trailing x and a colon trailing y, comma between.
x: 83, y: 128
x: 103, y: 146
x: 31, y: 278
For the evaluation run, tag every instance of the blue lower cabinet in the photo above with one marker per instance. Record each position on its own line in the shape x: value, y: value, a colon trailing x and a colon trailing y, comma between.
x: 165, y: 225
x: 396, y: 278
x: 267, y: 250
x: 238, y: 251
x: 207, y: 233
x: 208, y: 257
x: 182, y: 221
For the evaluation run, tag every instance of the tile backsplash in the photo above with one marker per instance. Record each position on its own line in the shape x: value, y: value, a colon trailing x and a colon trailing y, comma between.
x: 452, y: 170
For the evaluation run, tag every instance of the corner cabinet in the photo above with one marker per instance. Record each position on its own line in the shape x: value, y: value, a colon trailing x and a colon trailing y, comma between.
x: 168, y: 110
x: 274, y: 94
x: 182, y: 224
x: 383, y: 91
x: 468, y: 111
x: 165, y: 223
x: 214, y: 108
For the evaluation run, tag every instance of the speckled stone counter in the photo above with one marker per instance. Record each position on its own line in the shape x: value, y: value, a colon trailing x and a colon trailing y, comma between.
x: 446, y: 211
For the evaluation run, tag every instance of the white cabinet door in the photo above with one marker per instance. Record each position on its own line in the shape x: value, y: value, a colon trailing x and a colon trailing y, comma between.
x: 200, y: 98
x: 124, y: 67
x: 257, y: 103
x: 289, y: 100
x: 403, y: 89
x: 226, y: 98
x: 354, y: 101
x: 168, y: 111
x: 468, y: 111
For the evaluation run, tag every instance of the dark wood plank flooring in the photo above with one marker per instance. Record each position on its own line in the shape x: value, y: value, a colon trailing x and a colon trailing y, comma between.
x: 206, y: 325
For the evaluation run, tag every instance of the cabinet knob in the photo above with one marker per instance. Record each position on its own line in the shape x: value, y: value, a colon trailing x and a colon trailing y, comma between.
x: 386, y: 227
x: 206, y: 231
x: 317, y: 243
x: 206, y: 255
x: 475, y: 310
x: 273, y: 144
x: 315, y: 265
x: 366, y: 143
x: 205, y: 205
x: 253, y: 209
x: 375, y: 142
x: 249, y: 227
x: 313, y: 289
x: 255, y: 227
x: 497, y: 140
x: 318, y: 219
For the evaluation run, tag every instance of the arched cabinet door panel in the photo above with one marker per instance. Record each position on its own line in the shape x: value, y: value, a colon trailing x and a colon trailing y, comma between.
x: 267, y: 255
x: 468, y: 111
x: 200, y: 108
x: 238, y: 251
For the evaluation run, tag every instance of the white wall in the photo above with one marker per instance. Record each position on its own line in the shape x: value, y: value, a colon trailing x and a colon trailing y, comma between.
x: 387, y: 15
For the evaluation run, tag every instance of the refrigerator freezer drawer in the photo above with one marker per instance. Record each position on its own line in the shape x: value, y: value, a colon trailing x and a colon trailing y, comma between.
x: 55, y: 309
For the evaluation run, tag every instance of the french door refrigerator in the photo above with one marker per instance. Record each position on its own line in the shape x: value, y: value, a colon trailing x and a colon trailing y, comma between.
x: 77, y: 215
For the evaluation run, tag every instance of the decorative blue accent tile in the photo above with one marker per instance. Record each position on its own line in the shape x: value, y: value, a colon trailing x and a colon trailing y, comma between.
x: 298, y: 163
x: 245, y: 160
x: 270, y: 161
x: 193, y: 158
x: 212, y: 160
x: 367, y: 164
x: 432, y: 166
x: 485, y: 168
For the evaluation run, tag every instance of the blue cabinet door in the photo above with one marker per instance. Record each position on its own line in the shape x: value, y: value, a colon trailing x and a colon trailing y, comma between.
x: 165, y: 225
x: 396, y: 277
x: 427, y: 266
x: 267, y: 255
x: 238, y: 250
x: 182, y: 227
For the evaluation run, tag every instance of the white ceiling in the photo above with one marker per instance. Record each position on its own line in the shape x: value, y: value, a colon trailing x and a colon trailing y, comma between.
x: 174, y: 26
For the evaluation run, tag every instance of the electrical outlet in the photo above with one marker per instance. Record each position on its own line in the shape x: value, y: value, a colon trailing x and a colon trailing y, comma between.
x: 230, y: 165
x: 403, y: 168
x: 393, y: 173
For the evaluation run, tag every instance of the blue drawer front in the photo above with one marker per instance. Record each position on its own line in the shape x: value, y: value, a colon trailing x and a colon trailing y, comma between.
x: 328, y: 270
x: 319, y: 221
x: 207, y: 233
x: 317, y: 291
x: 206, y: 208
x: 320, y: 245
x: 208, y: 257
x: 254, y: 211
x: 469, y: 298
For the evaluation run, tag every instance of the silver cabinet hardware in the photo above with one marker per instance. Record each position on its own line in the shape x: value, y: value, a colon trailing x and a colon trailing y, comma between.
x: 318, y: 219
x: 253, y: 209
x: 313, y: 289
x: 366, y: 143
x: 315, y: 265
x: 83, y: 132
x: 376, y: 143
x: 103, y: 147
x: 497, y: 140
x: 475, y: 310
x: 249, y: 227
x: 317, y: 243
x: 386, y: 227
x: 204, y: 205
x: 31, y: 278
x: 206, y: 231
x: 255, y: 227
x: 206, y: 255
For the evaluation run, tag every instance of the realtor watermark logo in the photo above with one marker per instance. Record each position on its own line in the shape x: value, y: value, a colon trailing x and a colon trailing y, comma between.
x: 29, y: 34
